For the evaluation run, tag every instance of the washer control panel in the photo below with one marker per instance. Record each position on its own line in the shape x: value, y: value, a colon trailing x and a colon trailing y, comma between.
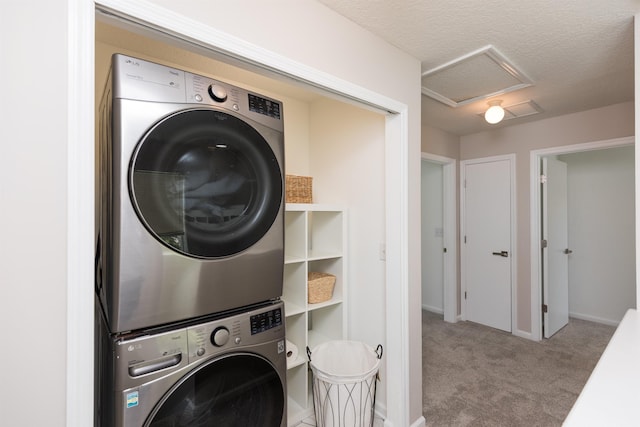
x: 236, y: 331
x: 142, y: 358
x: 264, y: 321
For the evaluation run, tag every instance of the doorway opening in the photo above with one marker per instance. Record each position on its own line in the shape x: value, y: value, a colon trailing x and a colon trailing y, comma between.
x: 439, y: 230
x: 589, y: 243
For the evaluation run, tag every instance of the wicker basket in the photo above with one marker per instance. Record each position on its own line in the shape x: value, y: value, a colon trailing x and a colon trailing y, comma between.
x: 320, y: 287
x: 298, y: 189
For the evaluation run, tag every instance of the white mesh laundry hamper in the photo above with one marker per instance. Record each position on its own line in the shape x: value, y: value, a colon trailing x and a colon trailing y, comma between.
x: 344, y: 383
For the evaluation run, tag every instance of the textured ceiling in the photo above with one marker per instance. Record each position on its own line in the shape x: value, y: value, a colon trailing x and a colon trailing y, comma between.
x: 579, y: 53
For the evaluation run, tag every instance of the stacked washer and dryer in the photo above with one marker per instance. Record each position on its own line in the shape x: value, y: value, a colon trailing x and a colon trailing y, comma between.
x: 190, y: 252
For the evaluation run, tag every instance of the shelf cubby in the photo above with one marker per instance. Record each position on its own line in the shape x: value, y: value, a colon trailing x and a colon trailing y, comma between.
x: 314, y: 241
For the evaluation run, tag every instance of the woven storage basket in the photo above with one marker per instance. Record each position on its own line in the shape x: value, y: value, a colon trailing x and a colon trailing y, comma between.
x: 320, y: 287
x: 298, y: 189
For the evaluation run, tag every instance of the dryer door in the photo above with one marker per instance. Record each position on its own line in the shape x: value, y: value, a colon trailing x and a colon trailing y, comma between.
x: 239, y: 390
x: 205, y: 183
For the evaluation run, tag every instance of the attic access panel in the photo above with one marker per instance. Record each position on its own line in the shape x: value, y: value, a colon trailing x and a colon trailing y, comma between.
x: 478, y: 75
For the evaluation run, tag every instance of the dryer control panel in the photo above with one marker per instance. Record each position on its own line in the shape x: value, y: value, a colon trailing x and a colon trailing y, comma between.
x: 147, y: 81
x: 207, y: 91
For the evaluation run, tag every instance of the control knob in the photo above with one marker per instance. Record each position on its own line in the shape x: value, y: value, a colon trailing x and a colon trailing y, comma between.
x: 217, y: 93
x: 220, y: 336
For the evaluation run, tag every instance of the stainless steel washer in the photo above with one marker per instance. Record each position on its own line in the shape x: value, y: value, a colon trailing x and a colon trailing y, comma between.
x: 229, y: 371
x: 191, y: 196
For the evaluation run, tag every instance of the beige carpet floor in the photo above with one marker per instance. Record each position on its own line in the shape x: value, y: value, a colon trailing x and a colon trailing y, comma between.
x: 478, y: 376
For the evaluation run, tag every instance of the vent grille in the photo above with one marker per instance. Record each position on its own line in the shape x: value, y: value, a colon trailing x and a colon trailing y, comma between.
x: 520, y: 109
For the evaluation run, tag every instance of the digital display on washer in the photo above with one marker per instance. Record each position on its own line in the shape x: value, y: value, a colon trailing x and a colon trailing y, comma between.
x: 265, y: 321
x: 264, y: 106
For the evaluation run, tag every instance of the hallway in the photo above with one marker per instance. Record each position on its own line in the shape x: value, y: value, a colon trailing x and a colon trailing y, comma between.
x: 476, y: 376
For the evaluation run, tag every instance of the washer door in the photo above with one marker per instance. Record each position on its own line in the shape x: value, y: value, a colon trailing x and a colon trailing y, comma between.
x: 239, y: 390
x: 205, y: 183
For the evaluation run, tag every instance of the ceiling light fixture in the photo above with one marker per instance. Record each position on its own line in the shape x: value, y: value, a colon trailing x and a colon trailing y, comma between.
x: 495, y: 113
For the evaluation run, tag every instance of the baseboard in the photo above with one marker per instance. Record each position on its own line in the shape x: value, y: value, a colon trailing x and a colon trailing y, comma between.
x: 432, y: 309
x: 529, y: 335
x: 594, y: 319
x: 420, y: 422
x: 523, y: 334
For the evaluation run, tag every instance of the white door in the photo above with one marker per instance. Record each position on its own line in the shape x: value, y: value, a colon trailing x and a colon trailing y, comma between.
x: 486, y: 241
x: 555, y: 264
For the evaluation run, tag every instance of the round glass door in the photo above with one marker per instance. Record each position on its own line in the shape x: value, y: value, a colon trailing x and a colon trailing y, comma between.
x: 205, y: 183
x: 236, y: 391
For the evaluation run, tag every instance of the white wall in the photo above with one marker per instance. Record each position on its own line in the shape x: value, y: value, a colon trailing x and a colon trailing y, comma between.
x: 35, y: 200
x: 599, y: 124
x: 439, y: 142
x: 432, y: 238
x: 601, y: 195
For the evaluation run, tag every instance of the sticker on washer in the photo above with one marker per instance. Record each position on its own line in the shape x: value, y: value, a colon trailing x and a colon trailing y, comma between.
x: 132, y: 399
x: 280, y: 346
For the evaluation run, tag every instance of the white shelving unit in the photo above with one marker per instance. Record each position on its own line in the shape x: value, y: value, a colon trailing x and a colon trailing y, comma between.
x: 315, y: 240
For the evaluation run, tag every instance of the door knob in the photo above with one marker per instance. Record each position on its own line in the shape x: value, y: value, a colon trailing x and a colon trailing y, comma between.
x: 501, y: 253
x: 568, y: 251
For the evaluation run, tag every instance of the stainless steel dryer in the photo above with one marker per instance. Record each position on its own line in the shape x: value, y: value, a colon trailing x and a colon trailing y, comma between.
x: 224, y: 372
x: 191, y: 196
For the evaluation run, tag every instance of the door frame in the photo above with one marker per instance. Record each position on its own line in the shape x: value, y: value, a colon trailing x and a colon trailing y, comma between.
x: 514, y: 250
x: 535, y: 213
x: 449, y: 221
x: 401, y: 307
